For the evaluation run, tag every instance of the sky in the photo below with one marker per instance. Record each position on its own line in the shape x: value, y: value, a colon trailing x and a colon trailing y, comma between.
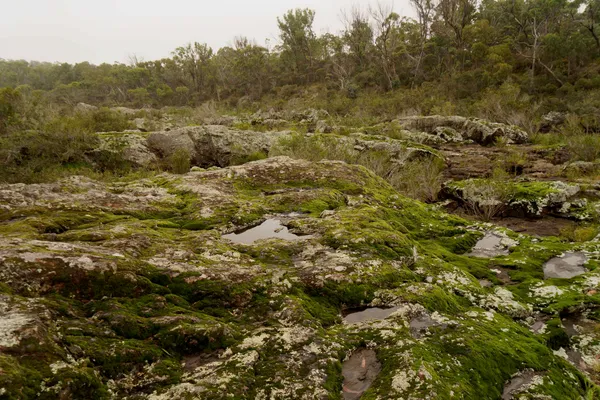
x: 113, y: 30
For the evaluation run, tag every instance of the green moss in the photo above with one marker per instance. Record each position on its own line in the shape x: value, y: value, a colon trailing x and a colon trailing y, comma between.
x: 114, y: 357
x: 555, y: 335
x: 77, y: 383
x: 18, y: 381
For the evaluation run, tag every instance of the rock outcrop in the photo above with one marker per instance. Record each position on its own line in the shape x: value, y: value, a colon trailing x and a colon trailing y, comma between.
x: 522, y: 199
x: 217, y: 145
x: 456, y: 128
x: 130, y: 289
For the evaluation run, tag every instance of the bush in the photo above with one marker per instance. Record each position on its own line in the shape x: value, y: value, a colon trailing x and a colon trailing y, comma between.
x: 8, y: 109
x: 102, y: 120
x: 106, y: 120
x: 419, y: 179
x: 179, y: 161
x: 584, y: 147
x: 37, y: 156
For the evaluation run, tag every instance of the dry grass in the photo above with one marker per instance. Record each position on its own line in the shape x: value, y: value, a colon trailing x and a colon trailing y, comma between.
x: 420, y: 179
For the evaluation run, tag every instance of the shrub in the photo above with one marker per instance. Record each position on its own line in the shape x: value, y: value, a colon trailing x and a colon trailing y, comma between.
x: 106, y: 120
x: 486, y: 198
x: 8, y: 109
x: 179, y: 161
x: 36, y: 156
x: 584, y: 147
x: 420, y: 179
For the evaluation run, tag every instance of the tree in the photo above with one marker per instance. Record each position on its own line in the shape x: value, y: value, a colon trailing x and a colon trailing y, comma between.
x: 457, y: 14
x: 298, y: 42
x: 358, y: 36
x: 386, y: 41
x: 194, y: 59
x: 425, y: 13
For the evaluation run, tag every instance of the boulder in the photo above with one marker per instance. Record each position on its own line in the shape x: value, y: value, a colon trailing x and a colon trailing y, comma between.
x: 520, y: 199
x: 85, y: 108
x: 475, y: 129
x: 552, y: 120
x: 217, y: 145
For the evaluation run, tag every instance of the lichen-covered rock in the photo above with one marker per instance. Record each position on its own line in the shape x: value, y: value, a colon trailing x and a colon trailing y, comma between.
x: 478, y: 130
x: 552, y: 120
x: 529, y: 199
x: 130, y: 289
x: 216, y: 145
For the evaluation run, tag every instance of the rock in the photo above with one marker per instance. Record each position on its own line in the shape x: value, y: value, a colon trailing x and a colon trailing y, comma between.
x: 323, y: 127
x: 131, y: 147
x: 140, y: 124
x: 552, y: 120
x: 140, y: 295
x: 579, y: 168
x: 225, y: 120
x: 477, y: 130
x: 519, y: 199
x: 448, y: 135
x: 85, y: 108
x: 216, y: 145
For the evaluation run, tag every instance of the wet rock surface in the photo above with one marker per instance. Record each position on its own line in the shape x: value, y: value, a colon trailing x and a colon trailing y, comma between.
x: 566, y: 266
x: 359, y: 372
x: 520, y: 383
x: 493, y: 244
x: 129, y: 289
x: 270, y: 229
x: 368, y: 314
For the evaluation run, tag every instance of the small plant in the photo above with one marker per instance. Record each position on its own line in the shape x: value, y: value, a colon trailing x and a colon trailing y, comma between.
x: 514, y: 163
x: 487, y: 198
x: 419, y: 179
x: 179, y: 161
x: 574, y: 233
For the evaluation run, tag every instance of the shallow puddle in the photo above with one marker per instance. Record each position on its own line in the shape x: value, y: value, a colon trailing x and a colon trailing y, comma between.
x: 359, y: 372
x: 575, y: 325
x: 489, y: 246
x: 368, y: 314
x: 270, y: 229
x: 538, y: 326
x: 517, y: 384
x: 419, y: 325
x: 567, y: 266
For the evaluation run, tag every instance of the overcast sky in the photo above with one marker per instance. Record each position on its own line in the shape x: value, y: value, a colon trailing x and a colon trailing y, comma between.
x: 112, y: 30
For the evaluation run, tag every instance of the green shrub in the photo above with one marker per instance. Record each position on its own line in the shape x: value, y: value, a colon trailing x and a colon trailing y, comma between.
x: 421, y: 179
x: 8, y: 109
x: 179, y: 161
x: 102, y: 120
x: 584, y: 147
x: 36, y: 156
x: 106, y: 120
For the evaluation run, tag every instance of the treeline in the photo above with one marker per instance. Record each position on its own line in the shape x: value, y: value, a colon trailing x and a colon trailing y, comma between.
x: 462, y: 47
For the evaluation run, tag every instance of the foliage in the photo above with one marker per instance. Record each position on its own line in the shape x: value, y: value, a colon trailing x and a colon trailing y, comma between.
x: 180, y: 161
x: 505, y: 61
